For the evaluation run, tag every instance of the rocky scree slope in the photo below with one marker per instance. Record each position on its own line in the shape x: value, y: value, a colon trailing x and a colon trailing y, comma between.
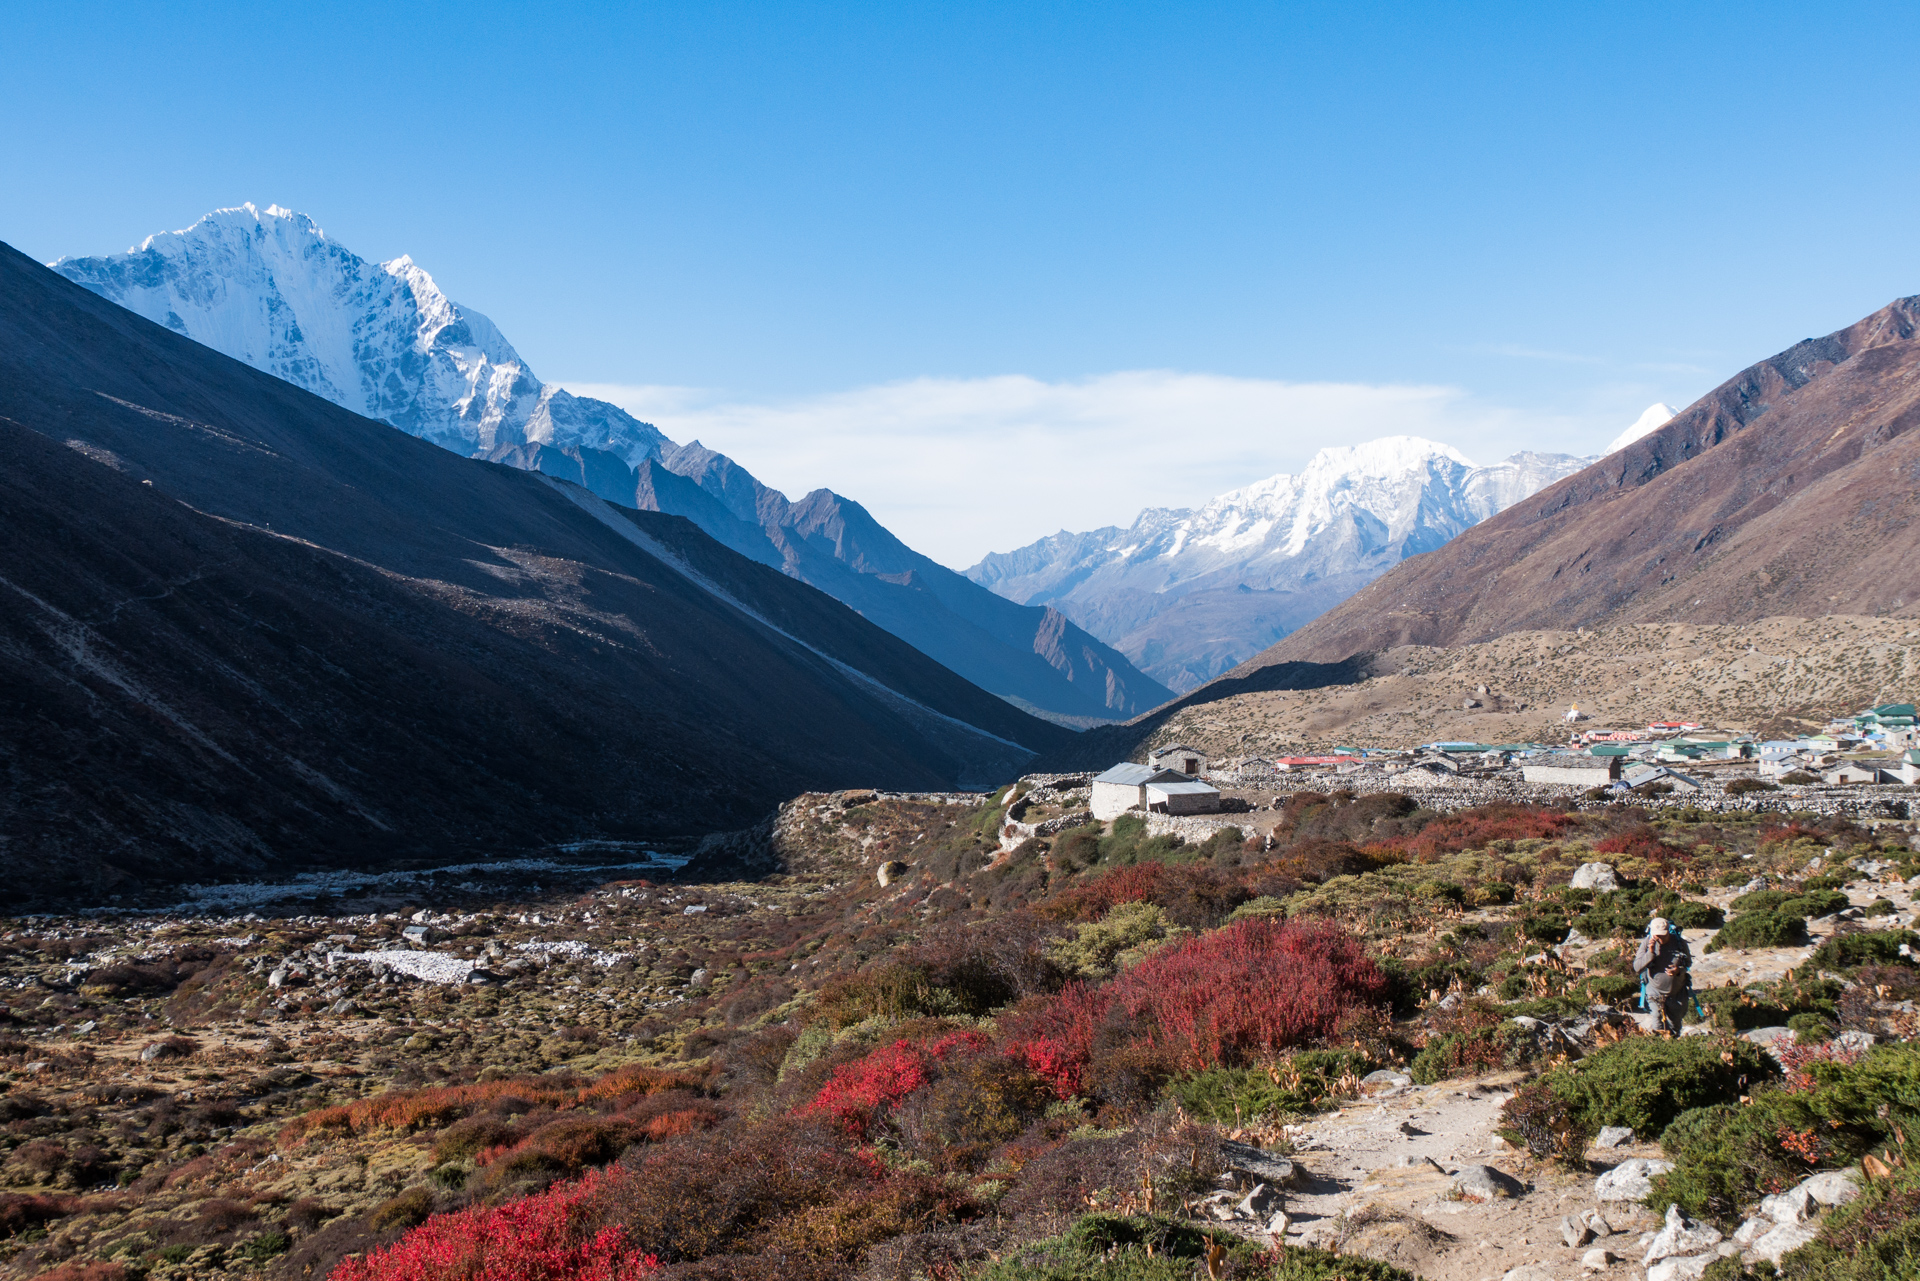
x: 269, y: 288
x: 248, y: 629
x: 1778, y: 676
x: 1189, y: 594
x: 1791, y: 489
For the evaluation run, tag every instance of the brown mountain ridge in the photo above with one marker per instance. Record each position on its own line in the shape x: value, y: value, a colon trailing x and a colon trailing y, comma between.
x: 1791, y: 489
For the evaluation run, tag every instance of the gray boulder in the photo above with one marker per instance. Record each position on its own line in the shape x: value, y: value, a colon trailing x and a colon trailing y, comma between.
x: 1783, y: 1238
x: 1680, y: 1235
x: 1631, y: 1180
x: 1259, y: 1203
x: 1768, y: 1035
x: 1613, y: 1136
x: 1574, y: 1232
x: 1598, y: 877
x: 1530, y: 1272
x: 1681, y: 1267
x: 1597, y: 1260
x: 1833, y: 1188
x: 1484, y: 1183
x: 1262, y: 1167
x: 1792, y: 1206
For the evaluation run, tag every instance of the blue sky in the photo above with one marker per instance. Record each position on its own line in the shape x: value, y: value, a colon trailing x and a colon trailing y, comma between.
x: 755, y: 216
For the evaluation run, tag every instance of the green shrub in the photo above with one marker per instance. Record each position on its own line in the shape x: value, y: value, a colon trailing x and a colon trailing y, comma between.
x: 1810, y: 1028
x: 1110, y: 1247
x: 1625, y: 913
x: 1823, y: 883
x: 1868, y: 947
x: 1487, y: 1049
x: 265, y: 1247
x: 1798, y: 902
x: 1740, y: 786
x: 1305, y: 1081
x: 1732, y: 1009
x: 1760, y: 929
x: 1880, y: 907
x: 1645, y: 1082
x: 1610, y: 988
x: 1834, y: 1112
x: 1546, y: 924
x: 1096, y: 947
x: 1877, y: 1238
x: 1690, y: 914
x: 1490, y: 894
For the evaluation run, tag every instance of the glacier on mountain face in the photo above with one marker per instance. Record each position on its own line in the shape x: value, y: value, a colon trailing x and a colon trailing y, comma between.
x: 269, y: 288
x: 1190, y: 594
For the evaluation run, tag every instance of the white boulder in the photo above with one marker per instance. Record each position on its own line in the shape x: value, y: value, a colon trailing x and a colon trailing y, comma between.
x: 1680, y: 1235
x: 1784, y: 1237
x: 1598, y: 877
x: 1681, y: 1267
x: 1631, y: 1180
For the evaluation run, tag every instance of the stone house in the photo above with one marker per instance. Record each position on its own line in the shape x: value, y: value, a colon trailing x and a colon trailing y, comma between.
x: 1641, y: 775
x: 1572, y: 771
x: 1190, y: 761
x: 1851, y: 773
x: 1124, y: 787
x: 1182, y: 798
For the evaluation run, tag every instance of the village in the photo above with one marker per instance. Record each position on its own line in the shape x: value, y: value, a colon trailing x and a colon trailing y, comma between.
x: 1863, y: 767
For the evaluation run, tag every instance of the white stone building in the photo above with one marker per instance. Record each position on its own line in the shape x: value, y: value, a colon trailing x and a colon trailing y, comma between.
x: 1124, y: 787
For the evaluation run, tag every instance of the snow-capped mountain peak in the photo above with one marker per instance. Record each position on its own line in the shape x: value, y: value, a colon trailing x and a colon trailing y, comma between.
x: 383, y: 339
x: 1651, y: 419
x: 1188, y: 593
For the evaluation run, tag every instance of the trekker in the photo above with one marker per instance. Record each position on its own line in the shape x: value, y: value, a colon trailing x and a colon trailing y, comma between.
x: 1663, y: 964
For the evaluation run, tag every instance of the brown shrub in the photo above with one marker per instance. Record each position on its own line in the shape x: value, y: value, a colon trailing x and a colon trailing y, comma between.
x: 972, y: 1108
x: 19, y: 1211
x: 724, y: 1192
x: 87, y: 1271
x: 308, y: 1213
x: 44, y: 1157
x: 409, y: 1209
x: 223, y: 1214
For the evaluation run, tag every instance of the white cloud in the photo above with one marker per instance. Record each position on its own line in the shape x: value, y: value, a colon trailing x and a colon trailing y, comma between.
x: 958, y: 467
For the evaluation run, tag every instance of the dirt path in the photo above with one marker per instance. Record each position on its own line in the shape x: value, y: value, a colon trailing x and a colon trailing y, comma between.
x: 1376, y: 1179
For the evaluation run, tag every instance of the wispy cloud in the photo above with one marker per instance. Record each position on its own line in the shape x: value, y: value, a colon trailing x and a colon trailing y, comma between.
x: 959, y: 467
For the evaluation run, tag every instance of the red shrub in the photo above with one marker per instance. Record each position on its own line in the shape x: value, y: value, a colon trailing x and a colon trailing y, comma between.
x: 1234, y: 996
x: 413, y: 1109
x: 538, y: 1238
x: 1096, y: 896
x: 1642, y: 842
x: 859, y: 1091
x: 1477, y: 828
x: 31, y: 1209
x: 1796, y: 1059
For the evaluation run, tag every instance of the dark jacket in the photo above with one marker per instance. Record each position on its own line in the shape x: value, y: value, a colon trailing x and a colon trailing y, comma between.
x: 1656, y: 955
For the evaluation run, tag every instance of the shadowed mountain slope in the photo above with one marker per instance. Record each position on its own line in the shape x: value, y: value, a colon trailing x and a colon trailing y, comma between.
x: 1791, y: 489
x: 246, y: 629
x: 270, y: 288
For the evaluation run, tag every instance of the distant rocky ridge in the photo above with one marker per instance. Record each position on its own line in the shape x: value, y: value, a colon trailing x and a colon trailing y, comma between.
x: 1189, y: 594
x: 1792, y: 489
x: 269, y: 288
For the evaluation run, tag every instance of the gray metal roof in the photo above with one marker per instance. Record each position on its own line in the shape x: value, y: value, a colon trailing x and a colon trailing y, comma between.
x: 1183, y: 789
x: 1127, y: 774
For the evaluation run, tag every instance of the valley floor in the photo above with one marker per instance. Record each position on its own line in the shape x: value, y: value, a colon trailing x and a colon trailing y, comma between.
x: 852, y: 1051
